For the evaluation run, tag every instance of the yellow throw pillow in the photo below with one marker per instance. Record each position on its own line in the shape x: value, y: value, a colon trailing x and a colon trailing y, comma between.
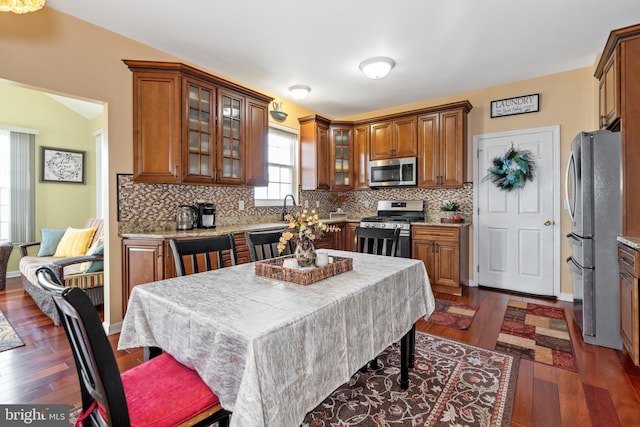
x: 75, y: 242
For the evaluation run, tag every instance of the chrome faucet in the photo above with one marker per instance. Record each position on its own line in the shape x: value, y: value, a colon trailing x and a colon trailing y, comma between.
x: 284, y: 206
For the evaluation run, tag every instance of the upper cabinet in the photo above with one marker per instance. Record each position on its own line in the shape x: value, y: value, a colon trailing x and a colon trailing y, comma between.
x: 340, y: 158
x: 193, y: 127
x: 314, y: 153
x: 617, y: 72
x: 442, y: 137
x: 393, y: 138
x: 335, y: 155
x: 609, y: 89
x: 360, y: 157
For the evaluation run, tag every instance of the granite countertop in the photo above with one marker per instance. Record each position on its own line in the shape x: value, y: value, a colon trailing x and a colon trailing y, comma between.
x: 632, y: 242
x: 220, y: 229
x: 132, y: 233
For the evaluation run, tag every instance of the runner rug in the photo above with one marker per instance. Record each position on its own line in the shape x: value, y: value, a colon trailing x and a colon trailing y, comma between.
x: 451, y: 384
x: 537, y: 332
x: 453, y: 314
x: 8, y: 336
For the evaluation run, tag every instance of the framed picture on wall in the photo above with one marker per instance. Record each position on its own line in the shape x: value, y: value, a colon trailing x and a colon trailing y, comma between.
x: 62, y: 165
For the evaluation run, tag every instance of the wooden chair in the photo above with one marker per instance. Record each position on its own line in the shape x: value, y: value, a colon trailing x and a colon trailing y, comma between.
x: 264, y: 244
x: 217, y: 247
x: 159, y: 392
x: 378, y: 241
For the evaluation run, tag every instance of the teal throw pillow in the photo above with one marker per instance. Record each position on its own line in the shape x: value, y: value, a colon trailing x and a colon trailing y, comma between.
x: 95, y: 266
x: 49, y: 242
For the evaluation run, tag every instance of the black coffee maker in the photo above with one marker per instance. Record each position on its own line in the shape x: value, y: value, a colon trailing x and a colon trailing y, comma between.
x: 206, y: 215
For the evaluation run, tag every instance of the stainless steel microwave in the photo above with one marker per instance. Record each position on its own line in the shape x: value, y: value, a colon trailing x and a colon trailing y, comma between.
x: 393, y: 172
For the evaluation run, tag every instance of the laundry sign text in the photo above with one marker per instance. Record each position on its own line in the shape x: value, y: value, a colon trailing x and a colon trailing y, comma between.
x: 517, y: 105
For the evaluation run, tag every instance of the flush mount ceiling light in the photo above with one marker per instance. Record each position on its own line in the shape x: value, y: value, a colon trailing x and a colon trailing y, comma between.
x: 21, y: 6
x: 378, y: 67
x: 299, y: 92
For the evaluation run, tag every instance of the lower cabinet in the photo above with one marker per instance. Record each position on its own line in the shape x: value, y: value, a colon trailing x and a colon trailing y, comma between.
x: 629, y: 266
x: 445, y: 253
x: 142, y: 262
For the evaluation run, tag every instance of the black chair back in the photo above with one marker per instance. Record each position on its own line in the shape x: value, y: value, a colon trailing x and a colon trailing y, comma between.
x: 378, y: 241
x: 204, y: 248
x: 264, y: 244
x: 96, y: 364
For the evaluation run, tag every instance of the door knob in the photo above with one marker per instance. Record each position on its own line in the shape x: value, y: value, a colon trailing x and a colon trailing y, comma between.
x: 548, y: 222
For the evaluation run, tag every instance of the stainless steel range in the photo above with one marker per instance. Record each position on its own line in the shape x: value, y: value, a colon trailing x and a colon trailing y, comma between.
x: 397, y: 214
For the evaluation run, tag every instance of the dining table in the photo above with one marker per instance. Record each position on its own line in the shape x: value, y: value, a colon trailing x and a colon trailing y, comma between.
x: 273, y: 350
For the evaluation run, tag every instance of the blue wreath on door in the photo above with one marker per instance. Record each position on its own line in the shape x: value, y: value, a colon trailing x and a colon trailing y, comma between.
x: 512, y: 170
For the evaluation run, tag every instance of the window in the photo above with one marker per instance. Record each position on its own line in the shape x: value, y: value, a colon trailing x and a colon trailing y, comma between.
x: 17, y: 185
x: 282, y: 167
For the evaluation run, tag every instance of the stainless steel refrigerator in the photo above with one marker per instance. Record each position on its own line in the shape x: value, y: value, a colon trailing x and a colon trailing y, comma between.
x: 593, y: 198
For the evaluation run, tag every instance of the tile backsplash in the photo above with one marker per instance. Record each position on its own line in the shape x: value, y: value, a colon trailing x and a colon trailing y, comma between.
x: 153, y: 206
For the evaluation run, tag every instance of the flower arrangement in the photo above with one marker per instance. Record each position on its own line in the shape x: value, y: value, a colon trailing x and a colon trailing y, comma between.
x: 338, y: 199
x: 512, y: 170
x: 304, y: 227
x: 448, y: 206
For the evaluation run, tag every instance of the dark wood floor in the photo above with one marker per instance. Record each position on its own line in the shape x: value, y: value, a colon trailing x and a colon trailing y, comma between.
x: 603, y: 393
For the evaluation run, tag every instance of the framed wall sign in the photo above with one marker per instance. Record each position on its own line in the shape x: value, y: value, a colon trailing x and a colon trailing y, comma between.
x: 62, y: 165
x: 518, y: 105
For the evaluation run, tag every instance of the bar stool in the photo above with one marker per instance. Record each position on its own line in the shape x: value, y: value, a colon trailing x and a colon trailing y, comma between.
x: 5, y: 251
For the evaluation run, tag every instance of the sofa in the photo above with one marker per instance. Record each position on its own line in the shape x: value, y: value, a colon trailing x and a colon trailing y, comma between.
x: 74, y: 255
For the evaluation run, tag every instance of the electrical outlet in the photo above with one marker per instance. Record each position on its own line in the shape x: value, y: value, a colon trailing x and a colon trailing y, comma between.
x: 366, y: 204
x: 317, y: 203
x: 306, y: 204
x: 241, y: 205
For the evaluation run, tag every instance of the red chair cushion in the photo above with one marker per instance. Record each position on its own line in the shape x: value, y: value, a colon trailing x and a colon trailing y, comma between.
x: 164, y: 392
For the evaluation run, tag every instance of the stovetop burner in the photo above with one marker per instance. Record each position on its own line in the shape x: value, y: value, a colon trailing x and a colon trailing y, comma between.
x: 395, y: 214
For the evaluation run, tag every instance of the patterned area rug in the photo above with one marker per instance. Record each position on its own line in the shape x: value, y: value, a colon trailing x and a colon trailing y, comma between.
x: 537, y: 332
x: 451, y: 384
x: 8, y: 336
x: 453, y: 314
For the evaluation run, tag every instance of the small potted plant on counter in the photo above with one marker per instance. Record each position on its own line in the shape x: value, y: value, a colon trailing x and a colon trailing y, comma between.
x: 451, y: 208
x: 338, y: 199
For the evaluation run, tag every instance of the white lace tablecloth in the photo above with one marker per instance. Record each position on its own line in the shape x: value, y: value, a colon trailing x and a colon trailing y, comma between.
x: 273, y: 350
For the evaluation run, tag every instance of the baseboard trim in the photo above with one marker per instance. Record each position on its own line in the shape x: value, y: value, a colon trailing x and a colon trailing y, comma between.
x: 565, y: 297
x: 112, y: 328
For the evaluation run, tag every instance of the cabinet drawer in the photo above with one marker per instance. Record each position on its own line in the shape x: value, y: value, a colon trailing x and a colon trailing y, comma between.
x: 435, y: 233
x: 628, y: 261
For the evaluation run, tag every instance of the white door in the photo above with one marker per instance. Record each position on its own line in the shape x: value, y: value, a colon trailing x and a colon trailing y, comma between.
x: 517, y: 233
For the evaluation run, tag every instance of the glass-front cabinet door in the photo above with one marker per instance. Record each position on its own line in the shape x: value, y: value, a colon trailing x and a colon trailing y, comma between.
x: 199, y: 153
x: 341, y: 156
x: 230, y: 149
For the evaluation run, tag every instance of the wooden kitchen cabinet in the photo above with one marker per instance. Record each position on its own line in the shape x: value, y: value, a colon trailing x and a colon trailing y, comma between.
x: 444, y: 251
x: 360, y: 157
x: 340, y: 158
x: 393, y: 138
x: 314, y: 153
x: 442, y: 138
x: 609, y: 94
x: 618, y: 71
x: 349, y: 235
x: 196, y: 128
x: 629, y: 266
x: 143, y: 262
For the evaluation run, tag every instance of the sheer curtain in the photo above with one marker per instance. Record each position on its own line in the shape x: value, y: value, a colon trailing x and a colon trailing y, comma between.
x: 22, y: 187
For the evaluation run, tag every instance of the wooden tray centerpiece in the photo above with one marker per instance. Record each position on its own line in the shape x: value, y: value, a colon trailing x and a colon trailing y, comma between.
x: 273, y: 268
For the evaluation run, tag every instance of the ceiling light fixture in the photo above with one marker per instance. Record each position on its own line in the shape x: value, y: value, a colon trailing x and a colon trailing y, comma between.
x: 299, y: 92
x: 21, y: 6
x: 378, y: 67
